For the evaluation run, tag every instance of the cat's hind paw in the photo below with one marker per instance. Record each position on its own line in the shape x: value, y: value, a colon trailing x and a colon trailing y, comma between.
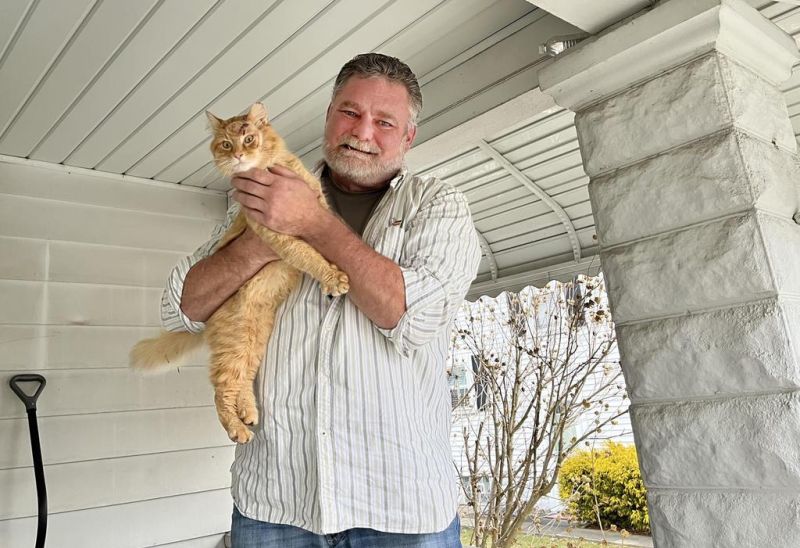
x: 246, y: 408
x: 337, y: 284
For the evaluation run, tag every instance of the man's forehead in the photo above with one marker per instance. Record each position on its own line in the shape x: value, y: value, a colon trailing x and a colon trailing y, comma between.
x: 371, y: 92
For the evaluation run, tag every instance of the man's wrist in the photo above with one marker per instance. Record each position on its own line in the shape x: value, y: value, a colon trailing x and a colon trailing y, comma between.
x: 250, y: 248
x: 321, y: 230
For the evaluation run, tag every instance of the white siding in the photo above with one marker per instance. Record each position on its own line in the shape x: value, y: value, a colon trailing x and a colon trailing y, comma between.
x: 130, y: 460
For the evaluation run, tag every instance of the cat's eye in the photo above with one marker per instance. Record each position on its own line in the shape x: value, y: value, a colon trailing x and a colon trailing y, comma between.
x: 226, y: 145
x: 248, y: 139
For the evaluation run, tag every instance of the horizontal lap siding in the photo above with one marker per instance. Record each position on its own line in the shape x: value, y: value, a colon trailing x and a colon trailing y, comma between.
x: 105, y: 482
x: 108, y: 435
x: 144, y: 523
x: 33, y: 347
x: 130, y: 460
x: 77, y: 391
x: 44, y: 219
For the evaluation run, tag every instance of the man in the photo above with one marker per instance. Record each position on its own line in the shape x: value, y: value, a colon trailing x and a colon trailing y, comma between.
x: 353, y: 445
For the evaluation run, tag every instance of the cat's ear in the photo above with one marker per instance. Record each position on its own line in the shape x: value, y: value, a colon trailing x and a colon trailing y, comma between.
x: 257, y: 114
x: 214, y: 123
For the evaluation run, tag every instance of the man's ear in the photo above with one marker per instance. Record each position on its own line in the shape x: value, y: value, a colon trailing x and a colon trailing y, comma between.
x: 410, y: 135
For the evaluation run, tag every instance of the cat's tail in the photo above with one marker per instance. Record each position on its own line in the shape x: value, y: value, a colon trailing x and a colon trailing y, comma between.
x: 165, y: 350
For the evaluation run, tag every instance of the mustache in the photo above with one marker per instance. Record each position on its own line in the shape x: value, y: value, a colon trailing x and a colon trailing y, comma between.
x: 363, y: 146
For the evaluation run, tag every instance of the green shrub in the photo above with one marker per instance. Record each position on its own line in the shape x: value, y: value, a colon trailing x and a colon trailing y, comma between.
x: 605, y: 482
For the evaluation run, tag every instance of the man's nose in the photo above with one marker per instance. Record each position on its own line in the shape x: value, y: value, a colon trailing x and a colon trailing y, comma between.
x: 362, y: 129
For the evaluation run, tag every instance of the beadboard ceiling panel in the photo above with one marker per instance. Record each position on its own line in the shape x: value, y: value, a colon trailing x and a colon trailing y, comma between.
x: 157, y: 56
x: 39, y: 41
x: 299, y: 66
x: 103, y: 32
x: 121, y: 87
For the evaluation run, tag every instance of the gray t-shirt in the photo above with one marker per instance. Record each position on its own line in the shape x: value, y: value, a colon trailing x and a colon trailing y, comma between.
x: 354, y: 208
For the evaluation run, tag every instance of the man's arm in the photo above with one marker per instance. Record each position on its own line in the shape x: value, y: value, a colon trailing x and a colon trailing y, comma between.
x: 376, y: 283
x: 280, y: 200
x: 211, y: 281
x: 409, y: 303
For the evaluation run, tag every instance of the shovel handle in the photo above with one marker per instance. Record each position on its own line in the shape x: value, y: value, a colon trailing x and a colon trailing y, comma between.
x: 29, y: 401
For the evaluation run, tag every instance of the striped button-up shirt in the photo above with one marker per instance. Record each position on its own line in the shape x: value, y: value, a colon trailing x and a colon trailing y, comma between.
x: 355, y: 419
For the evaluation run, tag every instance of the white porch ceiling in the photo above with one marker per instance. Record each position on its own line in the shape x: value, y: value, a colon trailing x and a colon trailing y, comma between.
x: 120, y: 87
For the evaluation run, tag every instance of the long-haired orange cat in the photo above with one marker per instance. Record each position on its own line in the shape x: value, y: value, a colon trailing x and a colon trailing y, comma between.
x: 237, y: 333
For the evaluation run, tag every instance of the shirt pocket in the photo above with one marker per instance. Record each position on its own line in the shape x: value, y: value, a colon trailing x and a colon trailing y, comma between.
x: 389, y: 242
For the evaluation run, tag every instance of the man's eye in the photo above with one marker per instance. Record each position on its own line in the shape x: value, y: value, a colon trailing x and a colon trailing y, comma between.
x: 226, y: 145
x: 348, y: 113
x: 248, y: 139
x: 384, y: 123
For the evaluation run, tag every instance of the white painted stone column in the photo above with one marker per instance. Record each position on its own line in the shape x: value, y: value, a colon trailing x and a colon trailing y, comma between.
x: 694, y: 183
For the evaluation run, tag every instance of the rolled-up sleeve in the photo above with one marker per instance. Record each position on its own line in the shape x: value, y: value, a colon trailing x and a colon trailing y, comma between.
x: 441, y: 255
x: 172, y: 317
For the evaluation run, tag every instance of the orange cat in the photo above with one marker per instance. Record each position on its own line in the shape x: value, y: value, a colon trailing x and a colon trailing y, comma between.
x: 237, y: 333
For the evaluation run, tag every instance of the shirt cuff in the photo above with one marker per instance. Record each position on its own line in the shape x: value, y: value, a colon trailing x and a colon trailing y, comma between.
x: 400, y: 335
x: 172, y: 317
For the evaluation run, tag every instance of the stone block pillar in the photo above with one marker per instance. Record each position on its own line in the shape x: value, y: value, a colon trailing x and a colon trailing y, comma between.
x: 694, y: 186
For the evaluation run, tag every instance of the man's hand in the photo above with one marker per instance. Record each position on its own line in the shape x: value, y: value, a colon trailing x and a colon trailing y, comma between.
x: 278, y: 199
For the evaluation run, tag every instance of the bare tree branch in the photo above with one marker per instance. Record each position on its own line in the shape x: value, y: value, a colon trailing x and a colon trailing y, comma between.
x: 544, y: 380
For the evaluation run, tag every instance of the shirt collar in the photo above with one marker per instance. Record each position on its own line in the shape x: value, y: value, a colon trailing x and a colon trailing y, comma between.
x: 401, y: 176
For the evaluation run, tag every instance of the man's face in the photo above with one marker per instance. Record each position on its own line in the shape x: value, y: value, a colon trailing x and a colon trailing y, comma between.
x: 367, y: 132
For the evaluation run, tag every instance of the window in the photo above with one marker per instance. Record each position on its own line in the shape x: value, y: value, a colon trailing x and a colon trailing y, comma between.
x: 481, y: 393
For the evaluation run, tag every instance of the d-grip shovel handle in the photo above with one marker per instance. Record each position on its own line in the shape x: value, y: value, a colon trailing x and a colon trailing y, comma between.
x: 36, y: 449
x: 29, y: 401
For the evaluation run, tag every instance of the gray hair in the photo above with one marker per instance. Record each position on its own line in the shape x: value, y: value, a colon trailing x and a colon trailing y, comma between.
x: 370, y: 65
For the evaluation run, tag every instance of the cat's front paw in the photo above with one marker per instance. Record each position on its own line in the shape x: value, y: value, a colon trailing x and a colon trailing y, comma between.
x: 240, y: 433
x: 337, y: 283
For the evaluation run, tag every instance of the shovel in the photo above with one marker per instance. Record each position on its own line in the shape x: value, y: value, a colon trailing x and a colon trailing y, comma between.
x: 36, y: 449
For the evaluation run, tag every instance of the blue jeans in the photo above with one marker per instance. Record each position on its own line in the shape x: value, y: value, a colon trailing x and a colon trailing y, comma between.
x: 249, y: 533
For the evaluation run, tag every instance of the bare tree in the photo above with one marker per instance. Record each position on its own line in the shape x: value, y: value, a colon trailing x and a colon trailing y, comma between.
x: 543, y: 361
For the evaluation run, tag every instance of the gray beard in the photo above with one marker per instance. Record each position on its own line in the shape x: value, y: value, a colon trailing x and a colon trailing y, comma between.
x: 369, y: 174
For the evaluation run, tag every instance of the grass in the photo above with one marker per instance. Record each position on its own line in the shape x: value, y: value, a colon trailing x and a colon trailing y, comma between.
x: 530, y: 541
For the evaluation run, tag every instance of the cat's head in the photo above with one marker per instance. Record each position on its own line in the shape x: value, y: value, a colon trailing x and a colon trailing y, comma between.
x: 243, y: 142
